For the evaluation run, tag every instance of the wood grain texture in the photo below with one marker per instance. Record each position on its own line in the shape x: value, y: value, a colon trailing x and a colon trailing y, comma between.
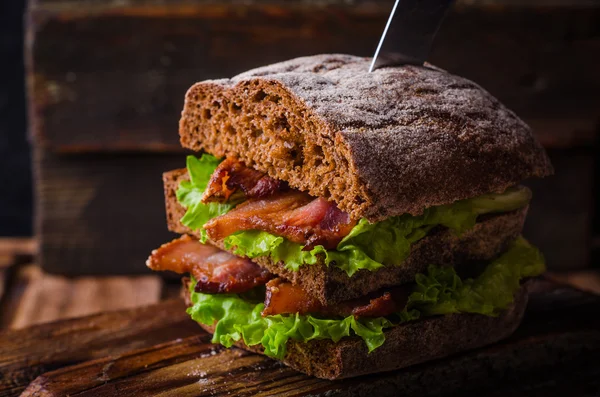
x: 586, y: 280
x: 559, y: 337
x: 540, y: 58
x: 99, y: 214
x: 28, y: 353
x: 45, y: 298
x: 13, y: 251
x: 15, y: 247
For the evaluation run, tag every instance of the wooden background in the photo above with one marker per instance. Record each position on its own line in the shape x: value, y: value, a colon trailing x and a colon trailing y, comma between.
x: 106, y: 81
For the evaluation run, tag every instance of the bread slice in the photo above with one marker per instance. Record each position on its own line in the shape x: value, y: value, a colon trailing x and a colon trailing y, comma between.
x: 380, y: 144
x: 490, y: 236
x: 405, y: 345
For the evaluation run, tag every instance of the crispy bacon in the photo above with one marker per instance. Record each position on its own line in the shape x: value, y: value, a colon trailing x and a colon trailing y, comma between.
x: 233, y: 178
x: 271, y: 206
x: 294, y: 215
x: 381, y: 306
x: 284, y: 297
x: 216, y: 271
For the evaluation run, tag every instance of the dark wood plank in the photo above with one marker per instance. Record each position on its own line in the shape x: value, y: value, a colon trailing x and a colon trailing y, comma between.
x: 13, y: 251
x: 586, y: 280
x: 562, y: 210
x: 112, y: 75
x: 36, y: 297
x: 171, y: 48
x: 559, y: 337
x: 100, y: 214
x: 3, y: 281
x: 16, y: 247
x: 27, y: 353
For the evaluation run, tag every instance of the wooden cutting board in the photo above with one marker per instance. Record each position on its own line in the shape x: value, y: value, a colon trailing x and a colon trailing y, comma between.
x: 157, y: 350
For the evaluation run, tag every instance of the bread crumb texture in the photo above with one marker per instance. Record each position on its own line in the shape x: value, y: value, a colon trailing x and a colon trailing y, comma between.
x: 379, y: 144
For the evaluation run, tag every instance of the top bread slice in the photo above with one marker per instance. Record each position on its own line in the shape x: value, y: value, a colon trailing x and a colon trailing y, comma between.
x: 380, y: 144
x: 489, y: 237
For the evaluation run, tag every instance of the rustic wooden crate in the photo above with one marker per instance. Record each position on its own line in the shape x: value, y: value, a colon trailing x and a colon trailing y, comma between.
x: 106, y: 84
x: 100, y: 213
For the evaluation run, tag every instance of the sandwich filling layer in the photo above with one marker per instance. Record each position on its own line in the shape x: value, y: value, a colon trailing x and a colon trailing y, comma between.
x: 246, y: 316
x: 255, y: 215
x: 216, y: 271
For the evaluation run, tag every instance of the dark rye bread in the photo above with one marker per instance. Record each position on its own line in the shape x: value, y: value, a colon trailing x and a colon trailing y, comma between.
x: 491, y: 235
x: 379, y: 144
x: 405, y: 345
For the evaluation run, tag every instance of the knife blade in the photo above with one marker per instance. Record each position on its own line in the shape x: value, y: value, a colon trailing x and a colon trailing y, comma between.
x: 409, y: 32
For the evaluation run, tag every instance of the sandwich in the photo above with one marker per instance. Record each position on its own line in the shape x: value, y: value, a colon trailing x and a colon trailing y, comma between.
x: 346, y: 222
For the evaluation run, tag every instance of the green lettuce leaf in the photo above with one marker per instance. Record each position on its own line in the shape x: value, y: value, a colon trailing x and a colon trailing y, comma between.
x: 255, y: 243
x: 235, y: 318
x: 190, y: 192
x: 441, y: 291
x: 373, y: 245
x: 389, y: 241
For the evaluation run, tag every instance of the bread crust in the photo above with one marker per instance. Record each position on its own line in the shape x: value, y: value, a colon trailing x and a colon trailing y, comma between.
x: 405, y: 345
x: 490, y: 236
x: 380, y: 144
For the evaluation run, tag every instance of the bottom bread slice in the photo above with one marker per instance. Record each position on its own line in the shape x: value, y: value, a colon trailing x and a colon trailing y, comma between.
x: 405, y: 345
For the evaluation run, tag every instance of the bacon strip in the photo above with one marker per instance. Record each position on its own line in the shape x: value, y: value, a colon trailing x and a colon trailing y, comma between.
x: 232, y: 177
x: 216, y: 271
x: 294, y: 215
x: 284, y: 297
x: 271, y: 206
